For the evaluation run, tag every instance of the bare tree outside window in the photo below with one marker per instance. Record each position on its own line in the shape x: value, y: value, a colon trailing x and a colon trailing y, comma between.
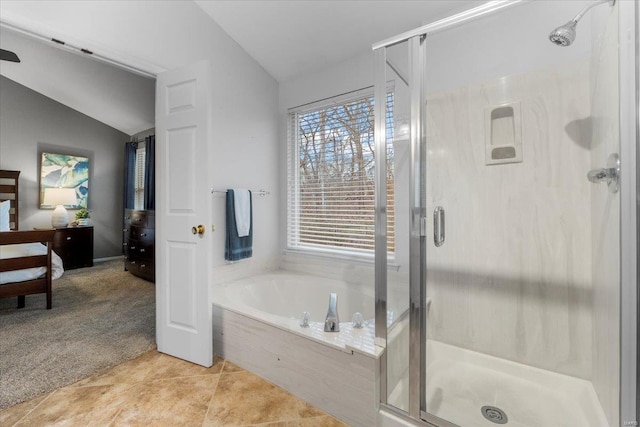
x: 335, y: 178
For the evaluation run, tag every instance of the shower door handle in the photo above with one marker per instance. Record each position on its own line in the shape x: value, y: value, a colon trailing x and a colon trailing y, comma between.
x: 438, y: 226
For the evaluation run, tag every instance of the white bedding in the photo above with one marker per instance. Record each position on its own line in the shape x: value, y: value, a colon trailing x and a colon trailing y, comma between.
x: 27, y: 249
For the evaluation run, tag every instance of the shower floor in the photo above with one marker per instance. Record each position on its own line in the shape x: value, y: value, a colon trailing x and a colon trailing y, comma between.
x: 461, y: 382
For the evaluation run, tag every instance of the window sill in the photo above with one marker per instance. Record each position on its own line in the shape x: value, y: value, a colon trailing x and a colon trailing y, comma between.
x: 341, y: 255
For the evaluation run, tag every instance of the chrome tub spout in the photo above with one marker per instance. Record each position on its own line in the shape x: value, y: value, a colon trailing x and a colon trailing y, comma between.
x: 332, y: 323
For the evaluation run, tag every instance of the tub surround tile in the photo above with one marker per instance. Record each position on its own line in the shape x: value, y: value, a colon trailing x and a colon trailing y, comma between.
x: 156, y: 389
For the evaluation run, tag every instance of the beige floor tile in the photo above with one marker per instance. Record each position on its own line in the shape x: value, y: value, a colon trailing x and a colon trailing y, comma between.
x: 230, y: 367
x: 278, y: 424
x: 325, y: 421
x: 77, y: 406
x: 243, y: 398
x: 156, y: 389
x: 13, y: 414
x: 166, y: 402
x: 172, y: 367
x: 322, y: 421
x: 130, y: 372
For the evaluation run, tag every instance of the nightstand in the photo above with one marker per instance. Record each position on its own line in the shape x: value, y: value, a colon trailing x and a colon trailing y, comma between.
x: 75, y: 246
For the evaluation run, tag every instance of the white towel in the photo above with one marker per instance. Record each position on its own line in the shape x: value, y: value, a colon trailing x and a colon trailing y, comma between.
x: 242, y: 206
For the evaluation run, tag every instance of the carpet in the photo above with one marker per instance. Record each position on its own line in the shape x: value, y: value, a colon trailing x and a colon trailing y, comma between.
x: 101, y: 316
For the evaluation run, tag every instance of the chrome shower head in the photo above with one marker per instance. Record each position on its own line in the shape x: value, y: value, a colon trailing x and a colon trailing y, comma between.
x: 565, y: 34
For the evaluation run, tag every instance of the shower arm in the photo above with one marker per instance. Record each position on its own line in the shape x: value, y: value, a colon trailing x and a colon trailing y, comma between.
x: 580, y: 14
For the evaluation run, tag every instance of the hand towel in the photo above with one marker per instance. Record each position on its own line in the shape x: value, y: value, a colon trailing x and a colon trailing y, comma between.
x: 236, y: 247
x: 242, y: 204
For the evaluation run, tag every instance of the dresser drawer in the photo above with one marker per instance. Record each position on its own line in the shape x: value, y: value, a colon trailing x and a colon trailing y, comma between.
x: 144, y: 235
x: 140, y: 250
x: 138, y: 267
x: 140, y: 218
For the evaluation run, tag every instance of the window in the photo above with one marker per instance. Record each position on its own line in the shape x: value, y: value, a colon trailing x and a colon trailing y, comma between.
x: 139, y: 178
x: 331, y: 175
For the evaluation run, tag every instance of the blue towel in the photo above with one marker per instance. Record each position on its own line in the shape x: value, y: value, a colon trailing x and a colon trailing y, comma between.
x: 235, y: 247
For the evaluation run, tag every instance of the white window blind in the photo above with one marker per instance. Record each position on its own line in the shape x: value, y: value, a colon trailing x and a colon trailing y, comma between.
x: 331, y: 175
x: 139, y: 179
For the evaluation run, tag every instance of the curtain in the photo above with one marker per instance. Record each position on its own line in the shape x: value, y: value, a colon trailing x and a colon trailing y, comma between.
x: 150, y: 173
x: 129, y: 174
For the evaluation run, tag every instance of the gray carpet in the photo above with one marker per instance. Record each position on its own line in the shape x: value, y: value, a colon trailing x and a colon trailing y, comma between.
x: 101, y: 316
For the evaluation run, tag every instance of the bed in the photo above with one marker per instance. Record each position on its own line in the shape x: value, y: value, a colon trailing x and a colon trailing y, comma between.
x: 26, y: 259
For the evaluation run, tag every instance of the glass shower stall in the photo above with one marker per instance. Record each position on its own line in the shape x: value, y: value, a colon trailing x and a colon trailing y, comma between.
x: 510, y: 164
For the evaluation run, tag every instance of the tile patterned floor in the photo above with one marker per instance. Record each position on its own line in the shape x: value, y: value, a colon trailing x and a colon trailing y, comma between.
x: 159, y: 390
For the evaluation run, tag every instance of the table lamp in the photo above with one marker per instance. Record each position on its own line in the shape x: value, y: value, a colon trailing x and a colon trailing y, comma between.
x: 59, y: 197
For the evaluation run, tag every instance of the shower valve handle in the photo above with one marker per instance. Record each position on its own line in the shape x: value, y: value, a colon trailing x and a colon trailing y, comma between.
x: 610, y: 174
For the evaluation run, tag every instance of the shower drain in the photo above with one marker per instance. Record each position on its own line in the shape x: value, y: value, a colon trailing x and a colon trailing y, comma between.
x: 494, y: 414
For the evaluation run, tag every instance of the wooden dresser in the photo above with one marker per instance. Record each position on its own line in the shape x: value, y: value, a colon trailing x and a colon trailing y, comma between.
x: 75, y: 246
x: 139, y: 243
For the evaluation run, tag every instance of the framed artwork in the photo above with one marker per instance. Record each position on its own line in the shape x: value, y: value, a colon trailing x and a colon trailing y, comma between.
x: 64, y: 171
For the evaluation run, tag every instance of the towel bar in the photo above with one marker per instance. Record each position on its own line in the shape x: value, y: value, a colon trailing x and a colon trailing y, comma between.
x: 254, y: 192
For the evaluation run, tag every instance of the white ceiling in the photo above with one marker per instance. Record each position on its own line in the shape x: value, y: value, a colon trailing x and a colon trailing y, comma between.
x: 290, y: 38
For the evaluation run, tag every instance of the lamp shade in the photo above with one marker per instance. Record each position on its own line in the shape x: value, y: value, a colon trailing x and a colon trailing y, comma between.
x: 59, y: 196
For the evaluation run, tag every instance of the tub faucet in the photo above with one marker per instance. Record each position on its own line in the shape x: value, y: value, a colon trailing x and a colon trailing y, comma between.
x: 332, y: 323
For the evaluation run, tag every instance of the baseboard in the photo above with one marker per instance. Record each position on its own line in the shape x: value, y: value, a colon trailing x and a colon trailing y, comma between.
x: 109, y: 258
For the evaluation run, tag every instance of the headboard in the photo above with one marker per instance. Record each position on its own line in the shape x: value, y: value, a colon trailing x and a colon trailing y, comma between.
x: 9, y: 191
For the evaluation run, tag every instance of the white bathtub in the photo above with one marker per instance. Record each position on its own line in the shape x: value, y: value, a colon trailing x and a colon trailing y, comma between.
x: 256, y: 324
x: 279, y: 298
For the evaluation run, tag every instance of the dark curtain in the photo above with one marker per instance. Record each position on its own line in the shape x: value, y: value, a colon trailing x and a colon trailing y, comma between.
x: 129, y: 174
x: 150, y: 173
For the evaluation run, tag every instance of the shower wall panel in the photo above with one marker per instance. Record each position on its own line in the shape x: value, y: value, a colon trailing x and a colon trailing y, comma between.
x: 605, y: 211
x: 513, y: 278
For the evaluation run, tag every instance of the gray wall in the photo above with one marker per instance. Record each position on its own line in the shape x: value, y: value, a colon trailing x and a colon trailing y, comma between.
x: 30, y: 123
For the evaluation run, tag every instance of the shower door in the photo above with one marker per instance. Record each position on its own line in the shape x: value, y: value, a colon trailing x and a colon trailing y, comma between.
x: 401, y: 191
x: 502, y: 292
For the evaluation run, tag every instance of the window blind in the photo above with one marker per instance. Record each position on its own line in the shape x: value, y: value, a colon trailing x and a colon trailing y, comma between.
x: 139, y: 178
x: 331, y: 175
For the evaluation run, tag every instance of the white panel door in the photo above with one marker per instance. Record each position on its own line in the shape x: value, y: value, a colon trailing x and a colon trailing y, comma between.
x: 183, y: 282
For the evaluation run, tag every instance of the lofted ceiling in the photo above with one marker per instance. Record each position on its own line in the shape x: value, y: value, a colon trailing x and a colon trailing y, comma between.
x: 118, y: 98
x: 289, y: 38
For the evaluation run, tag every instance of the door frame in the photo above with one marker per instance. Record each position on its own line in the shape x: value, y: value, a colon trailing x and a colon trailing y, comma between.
x: 629, y: 22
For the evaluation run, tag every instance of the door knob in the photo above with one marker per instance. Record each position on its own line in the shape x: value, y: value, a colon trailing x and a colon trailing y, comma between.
x: 198, y: 229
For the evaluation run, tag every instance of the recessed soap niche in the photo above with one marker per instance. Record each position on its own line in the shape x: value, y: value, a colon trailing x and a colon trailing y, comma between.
x: 503, y: 134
